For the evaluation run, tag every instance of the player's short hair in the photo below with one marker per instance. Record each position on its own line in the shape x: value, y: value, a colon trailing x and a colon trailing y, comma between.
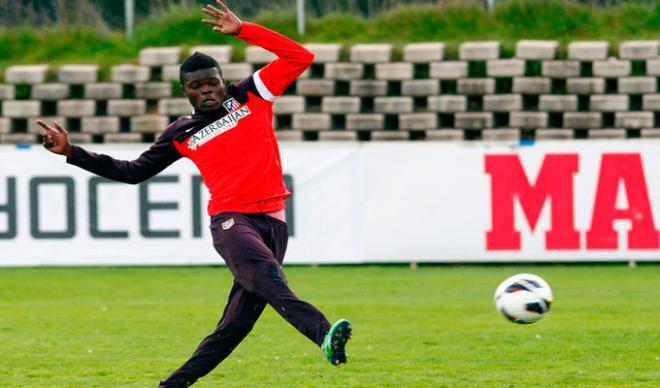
x: 197, y: 61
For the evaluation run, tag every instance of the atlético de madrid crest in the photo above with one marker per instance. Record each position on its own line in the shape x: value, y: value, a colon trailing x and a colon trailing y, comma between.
x: 228, y: 224
x: 231, y: 104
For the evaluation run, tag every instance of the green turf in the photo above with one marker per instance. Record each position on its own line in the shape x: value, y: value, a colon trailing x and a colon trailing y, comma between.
x: 430, y: 327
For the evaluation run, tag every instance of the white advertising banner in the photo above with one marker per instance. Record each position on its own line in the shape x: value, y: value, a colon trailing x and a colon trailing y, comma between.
x: 352, y: 203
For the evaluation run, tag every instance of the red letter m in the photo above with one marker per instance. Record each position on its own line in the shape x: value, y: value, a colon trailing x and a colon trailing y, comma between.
x: 554, y: 181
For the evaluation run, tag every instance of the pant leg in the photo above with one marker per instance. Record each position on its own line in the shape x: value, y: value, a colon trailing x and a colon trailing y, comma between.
x: 257, y: 267
x: 242, y: 311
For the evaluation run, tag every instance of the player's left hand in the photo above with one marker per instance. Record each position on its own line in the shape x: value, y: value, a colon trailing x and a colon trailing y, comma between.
x: 56, y: 138
x: 226, y: 22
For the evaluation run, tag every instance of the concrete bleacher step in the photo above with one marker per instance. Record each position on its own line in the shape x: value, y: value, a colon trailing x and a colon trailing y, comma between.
x: 153, y: 90
x: 448, y: 70
x: 338, y: 136
x: 122, y: 138
x: 103, y: 91
x: 289, y: 135
x: 289, y: 104
x: 343, y: 71
x: 365, y: 121
x: 588, y: 50
x: 479, y: 51
x: 447, y: 103
x: 126, y: 107
x: 130, y: 74
x: 5, y: 125
x: 26, y: 74
x: 50, y: 92
x: 639, y: 49
x: 315, y: 87
x: 17, y: 138
x: 371, y: 53
x: 553, y: 134
x: 325, y: 52
x: 174, y: 107
x: 7, y: 92
x: 609, y: 133
x: 609, y: 102
x: 418, y: 121
x: 373, y: 94
x: 560, y: 69
x: 555, y: 103
x: 476, y: 86
x: 312, y: 121
x: 76, y: 108
x: 531, y: 85
x: 500, y: 134
x: 21, y: 109
x: 424, y: 52
x: 78, y: 74
x: 389, y: 135
x: 221, y: 53
x: 536, y: 49
x: 473, y: 120
x: 650, y: 133
x: 100, y: 125
x: 368, y: 88
x: 612, y: 68
x: 443, y: 134
x: 393, y: 104
x: 341, y: 104
x: 420, y: 87
x: 394, y: 71
x: 582, y: 120
x: 158, y: 56
x: 505, y: 68
x: 637, y: 85
x: 634, y: 119
x: 149, y: 123
x: 503, y: 102
x: 528, y: 120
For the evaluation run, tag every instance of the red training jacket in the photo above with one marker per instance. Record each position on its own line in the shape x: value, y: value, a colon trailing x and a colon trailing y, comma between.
x: 234, y: 147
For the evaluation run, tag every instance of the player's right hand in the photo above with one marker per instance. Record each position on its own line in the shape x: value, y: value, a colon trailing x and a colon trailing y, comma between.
x: 56, y: 138
x: 225, y: 20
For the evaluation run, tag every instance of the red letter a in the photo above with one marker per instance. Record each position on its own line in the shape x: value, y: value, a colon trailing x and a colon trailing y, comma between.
x: 625, y: 168
x: 508, y: 181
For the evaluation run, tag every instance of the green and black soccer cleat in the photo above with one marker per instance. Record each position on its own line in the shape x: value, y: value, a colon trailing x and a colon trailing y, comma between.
x: 334, y: 343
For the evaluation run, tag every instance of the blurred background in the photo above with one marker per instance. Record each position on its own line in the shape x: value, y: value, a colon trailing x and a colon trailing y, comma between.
x: 95, y: 31
x: 110, y: 13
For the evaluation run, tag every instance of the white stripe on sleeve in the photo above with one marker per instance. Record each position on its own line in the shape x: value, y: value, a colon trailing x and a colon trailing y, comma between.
x: 262, y: 89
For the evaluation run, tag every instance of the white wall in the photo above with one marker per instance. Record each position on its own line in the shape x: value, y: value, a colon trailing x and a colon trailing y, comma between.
x: 355, y: 203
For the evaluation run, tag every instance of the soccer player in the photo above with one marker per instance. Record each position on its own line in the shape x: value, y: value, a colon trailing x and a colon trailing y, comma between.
x: 230, y: 138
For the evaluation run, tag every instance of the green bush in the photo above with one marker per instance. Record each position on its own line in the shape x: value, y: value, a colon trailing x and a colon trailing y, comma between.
x: 453, y: 22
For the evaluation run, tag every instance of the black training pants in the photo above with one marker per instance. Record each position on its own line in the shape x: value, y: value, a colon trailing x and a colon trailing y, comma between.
x: 253, y: 247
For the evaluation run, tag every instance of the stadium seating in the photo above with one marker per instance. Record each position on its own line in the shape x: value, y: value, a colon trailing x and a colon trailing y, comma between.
x: 366, y: 92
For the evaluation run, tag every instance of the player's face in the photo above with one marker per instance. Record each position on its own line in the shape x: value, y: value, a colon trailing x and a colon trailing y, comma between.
x: 204, y: 88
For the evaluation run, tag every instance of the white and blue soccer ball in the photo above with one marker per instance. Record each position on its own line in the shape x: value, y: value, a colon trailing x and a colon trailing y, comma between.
x: 523, y: 298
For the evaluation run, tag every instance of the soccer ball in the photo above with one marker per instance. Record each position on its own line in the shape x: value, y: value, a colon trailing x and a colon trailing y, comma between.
x: 523, y: 298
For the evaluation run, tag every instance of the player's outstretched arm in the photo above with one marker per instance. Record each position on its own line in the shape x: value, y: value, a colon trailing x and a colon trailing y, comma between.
x: 225, y: 20
x: 56, y: 138
x: 292, y: 58
x: 152, y: 161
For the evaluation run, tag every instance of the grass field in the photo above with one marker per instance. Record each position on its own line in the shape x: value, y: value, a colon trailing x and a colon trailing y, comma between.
x: 430, y: 327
